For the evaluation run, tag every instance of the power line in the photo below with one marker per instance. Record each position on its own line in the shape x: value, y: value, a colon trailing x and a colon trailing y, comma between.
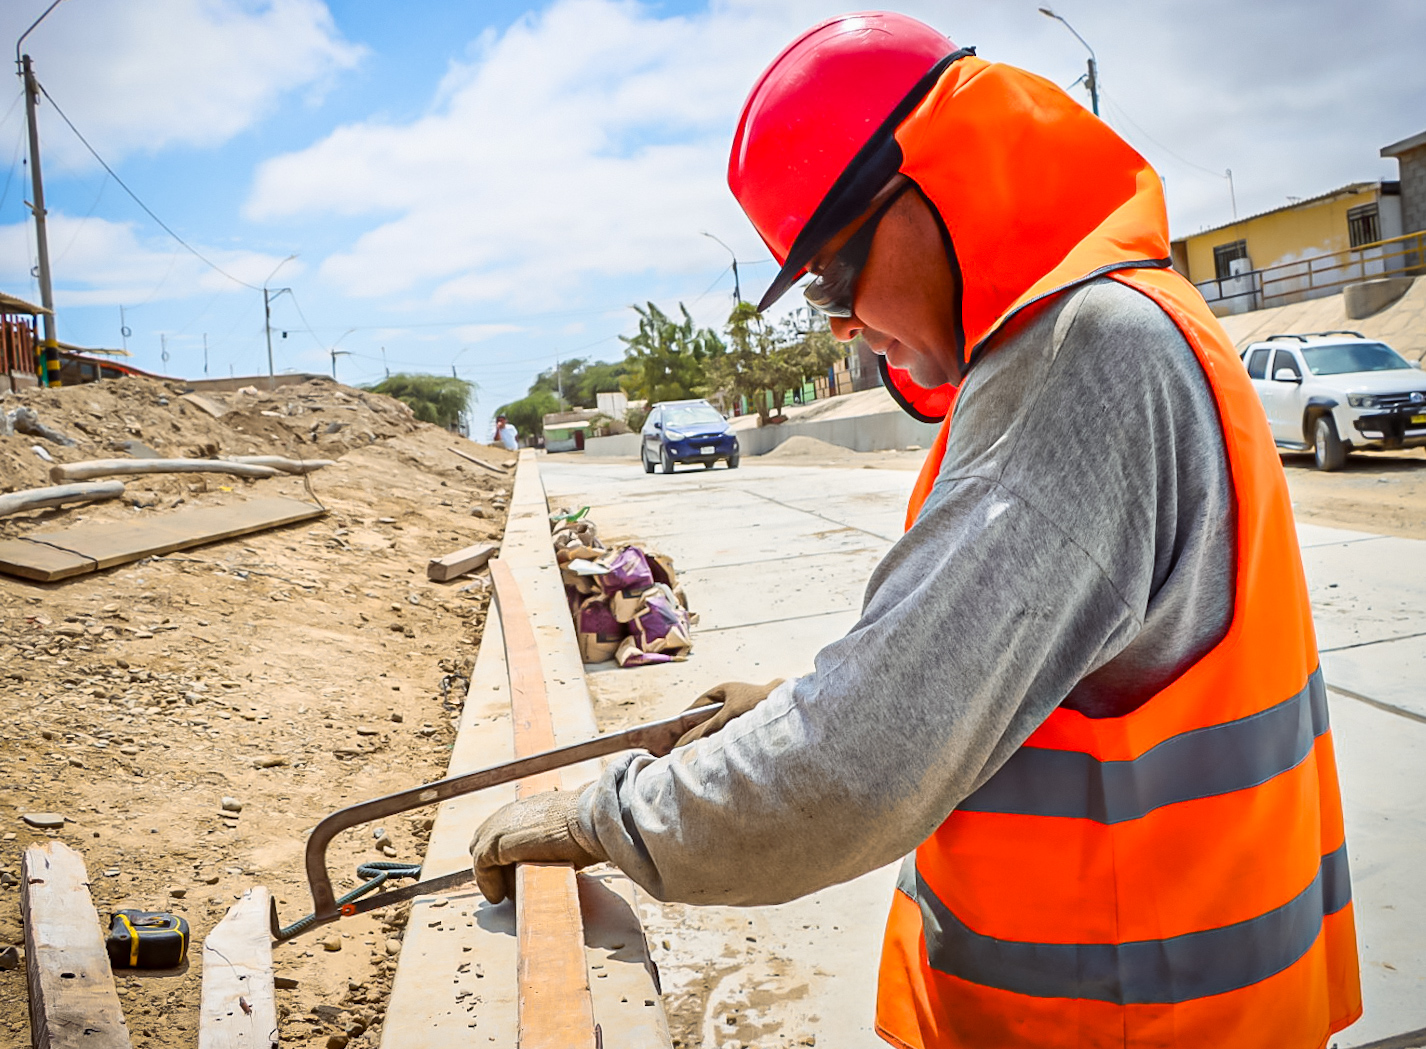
x: 135, y: 197
x: 1134, y: 124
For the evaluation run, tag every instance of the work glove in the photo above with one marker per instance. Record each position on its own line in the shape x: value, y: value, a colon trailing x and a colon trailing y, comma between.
x: 543, y: 828
x: 737, y: 697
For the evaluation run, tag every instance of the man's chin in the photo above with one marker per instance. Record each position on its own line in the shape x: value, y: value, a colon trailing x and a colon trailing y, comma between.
x: 926, y: 373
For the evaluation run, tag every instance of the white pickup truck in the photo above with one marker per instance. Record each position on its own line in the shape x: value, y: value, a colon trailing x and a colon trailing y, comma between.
x: 1335, y: 392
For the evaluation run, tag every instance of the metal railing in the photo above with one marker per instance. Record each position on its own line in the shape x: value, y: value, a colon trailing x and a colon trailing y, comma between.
x: 1314, y: 277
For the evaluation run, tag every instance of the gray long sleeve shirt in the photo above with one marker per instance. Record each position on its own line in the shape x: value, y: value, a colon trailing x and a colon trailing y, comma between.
x: 1076, y: 549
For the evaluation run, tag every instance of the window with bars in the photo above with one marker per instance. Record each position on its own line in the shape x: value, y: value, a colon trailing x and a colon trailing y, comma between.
x: 1363, y: 225
x: 1224, y: 255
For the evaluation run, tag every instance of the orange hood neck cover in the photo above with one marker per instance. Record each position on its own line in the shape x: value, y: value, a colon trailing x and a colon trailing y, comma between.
x: 1036, y: 195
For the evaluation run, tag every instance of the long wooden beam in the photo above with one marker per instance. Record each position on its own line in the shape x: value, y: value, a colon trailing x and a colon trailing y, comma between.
x: 73, y: 1002
x: 555, y: 1008
x: 58, y: 495
x: 63, y: 472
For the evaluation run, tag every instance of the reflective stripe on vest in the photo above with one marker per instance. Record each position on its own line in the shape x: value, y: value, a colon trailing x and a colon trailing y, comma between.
x: 1177, y: 969
x: 1218, y: 759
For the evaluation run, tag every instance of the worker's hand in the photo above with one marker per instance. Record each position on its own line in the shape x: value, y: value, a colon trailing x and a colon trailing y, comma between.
x: 737, y: 697
x: 540, y: 829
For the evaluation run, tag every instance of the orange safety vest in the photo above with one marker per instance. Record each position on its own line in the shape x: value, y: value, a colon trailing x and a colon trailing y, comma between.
x: 1176, y: 876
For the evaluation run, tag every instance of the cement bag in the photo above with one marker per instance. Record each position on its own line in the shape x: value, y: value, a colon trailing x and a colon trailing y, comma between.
x: 629, y: 655
x: 599, y: 632
x: 625, y: 604
x: 629, y: 569
x: 660, y: 624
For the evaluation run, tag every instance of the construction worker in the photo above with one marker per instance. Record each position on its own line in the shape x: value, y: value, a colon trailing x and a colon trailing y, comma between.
x: 1084, y: 691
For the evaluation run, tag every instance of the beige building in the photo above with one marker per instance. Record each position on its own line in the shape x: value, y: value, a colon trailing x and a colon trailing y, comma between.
x: 1301, y: 250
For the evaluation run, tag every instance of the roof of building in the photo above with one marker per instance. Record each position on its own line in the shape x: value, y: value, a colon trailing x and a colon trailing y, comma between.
x: 69, y: 347
x: 1349, y: 188
x: 1405, y: 145
x: 11, y: 304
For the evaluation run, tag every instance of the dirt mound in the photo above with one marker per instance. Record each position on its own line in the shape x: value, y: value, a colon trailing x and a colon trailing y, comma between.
x: 316, y: 420
x: 803, y: 447
x: 293, y: 670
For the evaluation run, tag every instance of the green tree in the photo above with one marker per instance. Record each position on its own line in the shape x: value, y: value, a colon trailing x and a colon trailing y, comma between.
x: 528, y: 413
x: 666, y: 360
x: 764, y: 359
x: 581, y: 380
x: 438, y: 399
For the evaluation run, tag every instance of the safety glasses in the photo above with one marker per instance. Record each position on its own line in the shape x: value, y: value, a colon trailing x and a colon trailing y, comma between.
x: 831, y: 292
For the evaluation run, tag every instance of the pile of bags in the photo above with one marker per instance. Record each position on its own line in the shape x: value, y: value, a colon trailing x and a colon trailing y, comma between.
x: 627, y: 604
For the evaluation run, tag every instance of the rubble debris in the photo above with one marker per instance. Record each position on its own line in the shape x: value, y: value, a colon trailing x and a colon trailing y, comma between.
x: 26, y: 420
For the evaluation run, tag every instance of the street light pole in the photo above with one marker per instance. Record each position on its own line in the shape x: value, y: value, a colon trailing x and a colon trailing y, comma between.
x: 1091, y: 77
x: 339, y: 353
x: 267, y: 297
x: 737, y: 288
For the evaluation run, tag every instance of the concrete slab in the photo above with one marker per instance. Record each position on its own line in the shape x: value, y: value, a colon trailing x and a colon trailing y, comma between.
x: 776, y: 558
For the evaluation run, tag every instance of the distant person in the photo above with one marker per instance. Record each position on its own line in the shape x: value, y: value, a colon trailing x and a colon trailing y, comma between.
x: 506, y: 436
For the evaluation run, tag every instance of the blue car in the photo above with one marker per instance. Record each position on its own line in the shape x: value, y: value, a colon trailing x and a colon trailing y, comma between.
x: 686, y: 432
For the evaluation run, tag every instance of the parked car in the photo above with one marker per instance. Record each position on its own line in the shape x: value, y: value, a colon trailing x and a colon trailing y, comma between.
x: 686, y: 432
x: 1336, y: 392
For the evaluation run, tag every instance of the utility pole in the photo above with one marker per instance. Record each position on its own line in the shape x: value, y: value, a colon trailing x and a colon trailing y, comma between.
x: 205, y: 354
x: 1232, y: 193
x: 124, y: 331
x: 737, y: 288
x: 49, y: 354
x: 267, y: 296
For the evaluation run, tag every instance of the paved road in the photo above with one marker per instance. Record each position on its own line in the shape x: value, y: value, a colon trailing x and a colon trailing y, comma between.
x: 775, y: 559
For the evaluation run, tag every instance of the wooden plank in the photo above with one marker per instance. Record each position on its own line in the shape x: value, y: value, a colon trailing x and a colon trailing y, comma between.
x: 58, y: 554
x: 239, y: 1006
x: 443, y: 569
x: 62, y: 472
x: 58, y: 495
x: 73, y: 1002
x: 481, y: 462
x: 212, y: 407
x: 556, y: 1011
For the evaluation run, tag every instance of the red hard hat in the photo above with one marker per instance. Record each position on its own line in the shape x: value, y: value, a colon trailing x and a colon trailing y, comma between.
x: 818, y: 108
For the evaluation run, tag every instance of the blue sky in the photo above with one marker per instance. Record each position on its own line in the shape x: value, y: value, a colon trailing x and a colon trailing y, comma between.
x: 490, y: 186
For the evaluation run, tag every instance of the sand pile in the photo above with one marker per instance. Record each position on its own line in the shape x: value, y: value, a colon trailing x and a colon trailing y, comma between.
x: 803, y: 447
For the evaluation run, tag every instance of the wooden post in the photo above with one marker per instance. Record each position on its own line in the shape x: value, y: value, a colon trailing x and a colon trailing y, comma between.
x: 73, y: 1002
x: 442, y: 569
x: 554, y: 1001
x: 239, y: 1009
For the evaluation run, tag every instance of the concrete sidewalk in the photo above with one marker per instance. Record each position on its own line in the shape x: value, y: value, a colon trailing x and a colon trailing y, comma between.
x: 775, y: 559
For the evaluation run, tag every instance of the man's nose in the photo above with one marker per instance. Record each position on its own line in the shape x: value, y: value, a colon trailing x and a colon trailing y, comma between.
x: 845, y: 329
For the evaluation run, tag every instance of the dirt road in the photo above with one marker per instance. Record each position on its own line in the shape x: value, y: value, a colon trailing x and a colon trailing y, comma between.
x: 293, y: 671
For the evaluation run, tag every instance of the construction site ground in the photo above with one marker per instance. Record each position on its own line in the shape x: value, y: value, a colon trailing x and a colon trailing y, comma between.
x: 293, y: 671
x: 775, y: 557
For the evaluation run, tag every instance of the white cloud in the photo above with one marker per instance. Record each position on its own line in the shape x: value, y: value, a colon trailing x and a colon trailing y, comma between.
x: 588, y: 141
x: 103, y: 263
x: 141, y: 75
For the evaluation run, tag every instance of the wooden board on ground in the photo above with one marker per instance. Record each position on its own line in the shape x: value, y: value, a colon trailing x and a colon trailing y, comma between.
x: 61, y: 553
x: 73, y: 1002
x: 239, y: 1009
x: 481, y: 462
x: 443, y: 569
